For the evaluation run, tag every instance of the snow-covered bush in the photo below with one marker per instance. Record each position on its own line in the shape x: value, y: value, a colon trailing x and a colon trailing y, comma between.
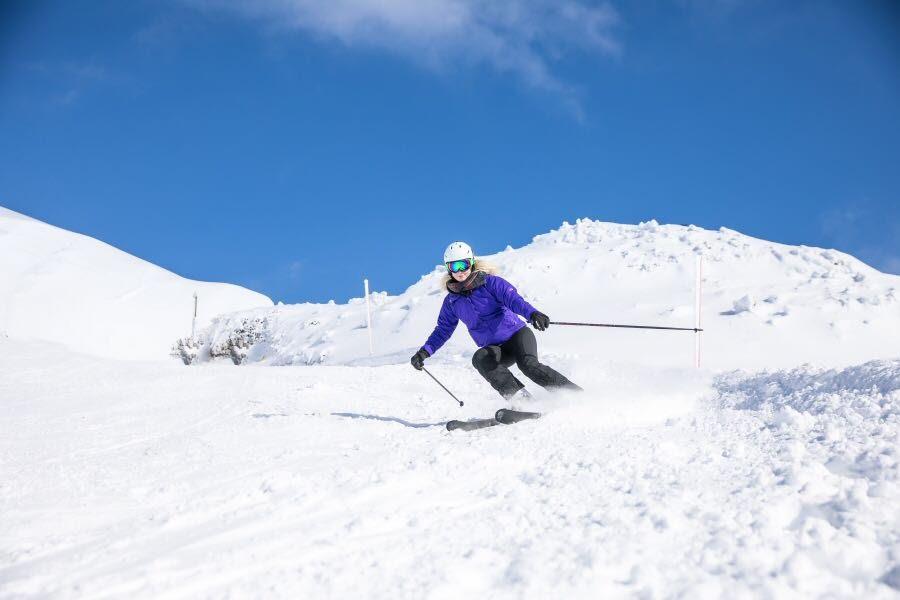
x: 240, y: 340
x: 187, y: 349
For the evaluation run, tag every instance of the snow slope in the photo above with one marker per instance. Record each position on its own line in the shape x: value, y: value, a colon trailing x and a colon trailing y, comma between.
x: 764, y: 304
x: 68, y: 288
x: 152, y: 480
x: 147, y: 479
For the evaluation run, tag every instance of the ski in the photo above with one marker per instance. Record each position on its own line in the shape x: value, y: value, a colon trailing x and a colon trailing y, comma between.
x: 471, y: 425
x: 504, y: 416
x: 508, y: 417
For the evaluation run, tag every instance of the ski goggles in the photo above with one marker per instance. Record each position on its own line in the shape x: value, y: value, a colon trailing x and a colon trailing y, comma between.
x: 458, y: 266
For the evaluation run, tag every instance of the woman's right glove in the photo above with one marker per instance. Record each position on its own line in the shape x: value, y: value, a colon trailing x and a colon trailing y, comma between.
x: 418, y: 359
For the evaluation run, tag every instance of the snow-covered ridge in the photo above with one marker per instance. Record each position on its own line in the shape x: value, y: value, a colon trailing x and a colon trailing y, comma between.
x: 68, y: 288
x: 764, y: 304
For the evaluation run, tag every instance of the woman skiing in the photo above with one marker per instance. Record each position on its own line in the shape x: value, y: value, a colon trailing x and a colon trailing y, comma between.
x: 488, y: 305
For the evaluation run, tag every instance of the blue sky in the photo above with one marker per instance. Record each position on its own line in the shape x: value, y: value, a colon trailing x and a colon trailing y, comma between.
x: 299, y: 146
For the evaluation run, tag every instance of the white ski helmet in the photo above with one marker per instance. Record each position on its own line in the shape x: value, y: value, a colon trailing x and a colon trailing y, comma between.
x: 458, y: 251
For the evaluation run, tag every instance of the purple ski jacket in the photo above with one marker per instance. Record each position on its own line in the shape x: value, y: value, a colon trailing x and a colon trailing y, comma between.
x: 489, y: 311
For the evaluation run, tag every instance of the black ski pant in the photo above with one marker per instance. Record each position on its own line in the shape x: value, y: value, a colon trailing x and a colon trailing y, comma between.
x: 493, y: 363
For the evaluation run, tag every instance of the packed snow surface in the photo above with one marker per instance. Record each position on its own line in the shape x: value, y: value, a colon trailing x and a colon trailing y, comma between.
x: 63, y: 287
x: 153, y: 480
x: 763, y: 304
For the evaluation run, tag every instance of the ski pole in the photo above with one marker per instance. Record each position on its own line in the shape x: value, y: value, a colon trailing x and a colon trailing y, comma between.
x: 442, y: 385
x: 694, y: 329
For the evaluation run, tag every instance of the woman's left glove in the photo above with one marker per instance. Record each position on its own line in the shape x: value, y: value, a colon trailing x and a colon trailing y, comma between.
x: 539, y: 320
x: 418, y: 359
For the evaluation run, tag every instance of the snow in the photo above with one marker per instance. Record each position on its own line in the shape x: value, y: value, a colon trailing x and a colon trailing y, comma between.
x: 153, y: 480
x: 63, y: 287
x: 772, y: 472
x: 764, y: 305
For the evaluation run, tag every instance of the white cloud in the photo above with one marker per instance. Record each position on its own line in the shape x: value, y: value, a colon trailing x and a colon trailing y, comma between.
x: 523, y: 37
x: 67, y: 97
x: 295, y: 268
x: 72, y: 78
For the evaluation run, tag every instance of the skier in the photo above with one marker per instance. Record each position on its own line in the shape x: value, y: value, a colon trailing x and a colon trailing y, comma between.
x: 488, y: 305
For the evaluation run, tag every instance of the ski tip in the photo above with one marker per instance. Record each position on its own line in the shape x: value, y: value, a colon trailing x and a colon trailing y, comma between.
x: 508, y: 416
x: 471, y: 425
x: 455, y: 424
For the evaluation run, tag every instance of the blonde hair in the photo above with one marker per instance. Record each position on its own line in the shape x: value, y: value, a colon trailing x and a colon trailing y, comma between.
x: 480, y: 265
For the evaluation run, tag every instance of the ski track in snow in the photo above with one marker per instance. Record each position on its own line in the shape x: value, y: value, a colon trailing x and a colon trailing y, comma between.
x: 157, y: 481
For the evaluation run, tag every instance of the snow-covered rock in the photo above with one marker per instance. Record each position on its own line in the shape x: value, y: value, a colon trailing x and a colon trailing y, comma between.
x: 743, y: 304
x: 764, y: 304
x: 63, y: 287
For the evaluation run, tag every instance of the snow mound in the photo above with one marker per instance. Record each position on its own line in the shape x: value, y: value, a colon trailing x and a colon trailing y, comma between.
x: 63, y: 287
x: 764, y: 305
x: 830, y: 439
x: 799, y: 387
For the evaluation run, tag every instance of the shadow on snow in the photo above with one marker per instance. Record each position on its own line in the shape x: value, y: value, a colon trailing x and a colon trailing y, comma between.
x: 391, y: 419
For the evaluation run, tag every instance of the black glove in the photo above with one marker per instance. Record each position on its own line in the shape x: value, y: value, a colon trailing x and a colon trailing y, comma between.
x: 539, y: 320
x: 418, y: 359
